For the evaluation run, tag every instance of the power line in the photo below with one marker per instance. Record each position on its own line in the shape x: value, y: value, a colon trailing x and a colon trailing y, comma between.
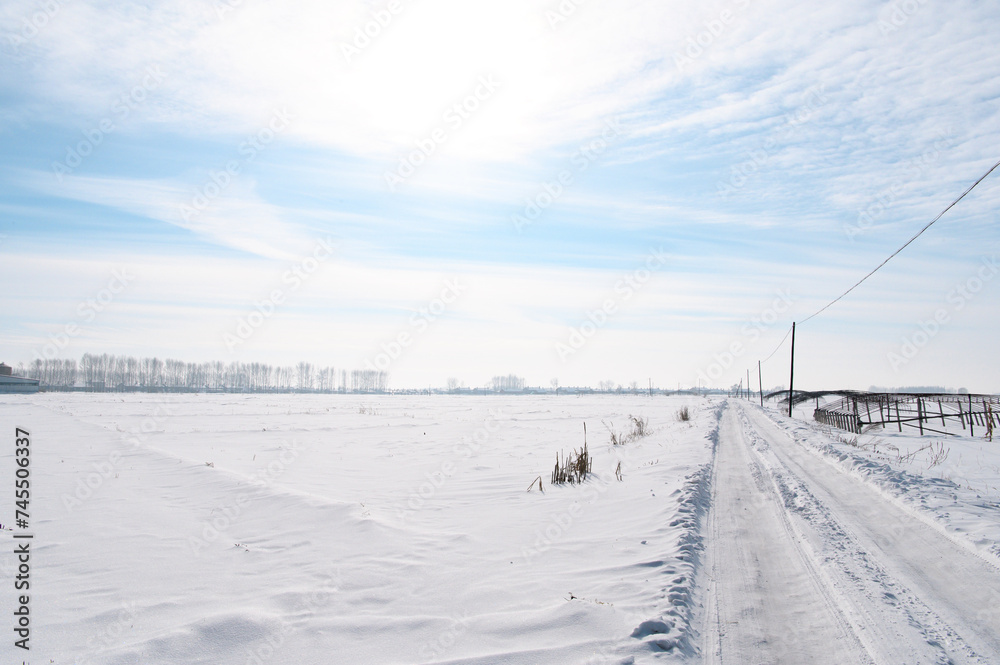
x: 918, y: 234
x: 779, y: 346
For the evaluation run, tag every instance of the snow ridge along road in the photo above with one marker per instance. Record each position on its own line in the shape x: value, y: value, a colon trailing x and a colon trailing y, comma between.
x: 805, y: 563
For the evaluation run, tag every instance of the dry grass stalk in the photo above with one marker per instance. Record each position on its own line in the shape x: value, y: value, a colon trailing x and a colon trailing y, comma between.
x: 572, y: 468
x: 617, y: 439
x: 938, y: 454
x: 640, y: 429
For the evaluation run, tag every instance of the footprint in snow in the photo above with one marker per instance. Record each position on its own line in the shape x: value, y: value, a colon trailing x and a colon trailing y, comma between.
x: 651, y: 627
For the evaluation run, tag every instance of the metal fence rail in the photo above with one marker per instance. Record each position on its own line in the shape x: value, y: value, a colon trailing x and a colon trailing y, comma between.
x: 926, y: 412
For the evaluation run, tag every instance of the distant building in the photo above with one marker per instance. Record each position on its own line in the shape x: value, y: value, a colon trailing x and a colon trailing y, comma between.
x: 15, y: 384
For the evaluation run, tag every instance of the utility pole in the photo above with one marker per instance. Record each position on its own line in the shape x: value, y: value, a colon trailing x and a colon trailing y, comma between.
x: 760, y: 385
x: 791, y: 377
x: 748, y: 385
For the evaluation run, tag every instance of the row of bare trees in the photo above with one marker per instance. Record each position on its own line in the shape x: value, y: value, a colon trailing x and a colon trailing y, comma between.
x: 127, y: 372
x: 50, y: 372
x: 112, y: 372
x: 369, y: 381
x: 508, y: 383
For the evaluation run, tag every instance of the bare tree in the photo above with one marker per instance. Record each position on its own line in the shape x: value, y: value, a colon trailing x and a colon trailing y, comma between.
x: 305, y: 376
x: 508, y: 383
x: 369, y: 381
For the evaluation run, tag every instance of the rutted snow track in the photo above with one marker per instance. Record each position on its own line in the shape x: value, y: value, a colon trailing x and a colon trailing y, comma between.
x: 807, y: 564
x: 766, y: 600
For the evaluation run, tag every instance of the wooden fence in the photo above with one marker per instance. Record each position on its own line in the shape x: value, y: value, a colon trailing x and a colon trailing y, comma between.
x: 931, y: 413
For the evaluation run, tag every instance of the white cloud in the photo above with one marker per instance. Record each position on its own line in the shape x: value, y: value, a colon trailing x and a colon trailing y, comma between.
x: 232, y: 216
x: 555, y: 84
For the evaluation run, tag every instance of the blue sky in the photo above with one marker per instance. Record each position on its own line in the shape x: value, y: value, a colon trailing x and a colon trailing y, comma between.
x: 577, y: 191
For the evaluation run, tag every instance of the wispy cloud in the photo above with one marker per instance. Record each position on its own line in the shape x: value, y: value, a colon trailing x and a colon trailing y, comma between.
x: 236, y: 218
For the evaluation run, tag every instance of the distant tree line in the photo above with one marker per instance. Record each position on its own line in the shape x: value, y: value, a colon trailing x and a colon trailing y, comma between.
x: 369, y: 381
x: 128, y: 373
x: 111, y: 372
x: 507, y: 383
x: 54, y: 372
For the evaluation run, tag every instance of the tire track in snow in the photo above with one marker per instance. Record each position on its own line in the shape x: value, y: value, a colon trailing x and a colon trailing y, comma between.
x: 765, y: 600
x: 912, y: 592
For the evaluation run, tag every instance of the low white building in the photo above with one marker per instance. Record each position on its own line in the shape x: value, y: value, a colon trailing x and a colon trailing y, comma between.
x: 15, y: 384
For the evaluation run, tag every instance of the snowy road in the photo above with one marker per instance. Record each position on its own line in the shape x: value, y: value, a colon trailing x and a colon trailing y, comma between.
x: 807, y: 564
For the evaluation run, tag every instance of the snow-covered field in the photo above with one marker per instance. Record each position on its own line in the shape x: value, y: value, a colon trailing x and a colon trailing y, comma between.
x: 299, y: 529
x: 343, y: 529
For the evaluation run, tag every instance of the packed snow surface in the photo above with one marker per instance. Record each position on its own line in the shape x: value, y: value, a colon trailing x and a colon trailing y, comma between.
x: 401, y: 529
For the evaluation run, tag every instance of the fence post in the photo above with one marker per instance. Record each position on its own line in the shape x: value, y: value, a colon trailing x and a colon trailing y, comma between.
x: 972, y: 432
x: 920, y: 416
